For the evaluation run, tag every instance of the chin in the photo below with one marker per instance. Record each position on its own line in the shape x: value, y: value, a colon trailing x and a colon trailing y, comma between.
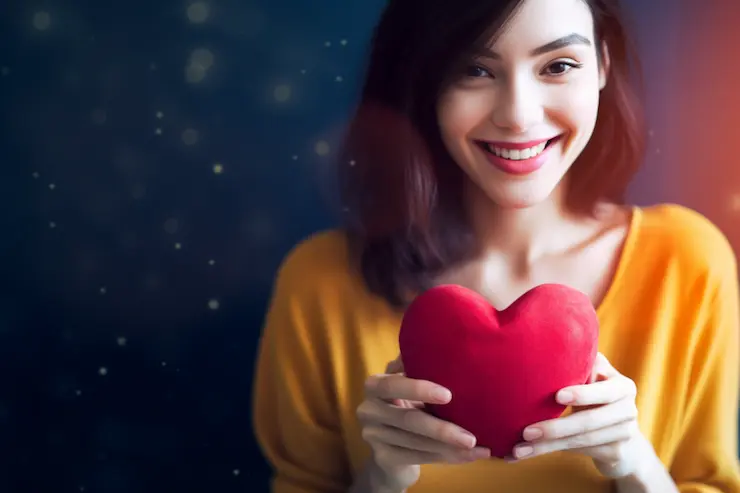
x: 511, y: 191
x: 518, y: 200
x: 519, y: 194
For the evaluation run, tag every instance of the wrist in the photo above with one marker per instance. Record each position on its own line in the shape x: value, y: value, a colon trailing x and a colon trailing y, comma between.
x: 381, y: 480
x: 644, y: 460
x: 646, y: 456
x: 637, y: 458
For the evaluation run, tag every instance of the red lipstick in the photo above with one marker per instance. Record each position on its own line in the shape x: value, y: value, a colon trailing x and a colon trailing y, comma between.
x: 514, y: 164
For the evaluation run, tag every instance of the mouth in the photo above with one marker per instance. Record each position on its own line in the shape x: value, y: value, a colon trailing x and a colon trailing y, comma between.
x: 517, y: 152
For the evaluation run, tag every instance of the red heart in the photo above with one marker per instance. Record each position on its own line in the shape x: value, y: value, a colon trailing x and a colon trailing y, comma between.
x: 503, y: 367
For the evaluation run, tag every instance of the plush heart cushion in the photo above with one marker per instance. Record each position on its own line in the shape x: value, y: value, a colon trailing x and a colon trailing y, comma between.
x: 503, y: 368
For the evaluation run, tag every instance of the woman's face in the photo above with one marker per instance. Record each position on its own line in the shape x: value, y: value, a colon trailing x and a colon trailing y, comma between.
x: 520, y: 115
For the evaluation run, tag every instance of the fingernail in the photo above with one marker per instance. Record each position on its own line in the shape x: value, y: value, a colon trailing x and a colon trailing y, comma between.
x: 532, y: 434
x: 441, y: 395
x: 524, y: 451
x: 481, y: 453
x: 565, y: 397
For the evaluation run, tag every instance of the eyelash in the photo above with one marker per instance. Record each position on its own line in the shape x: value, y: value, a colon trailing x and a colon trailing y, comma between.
x: 571, y: 65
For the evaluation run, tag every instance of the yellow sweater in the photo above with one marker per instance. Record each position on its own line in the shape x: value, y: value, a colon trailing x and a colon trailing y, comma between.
x: 669, y: 321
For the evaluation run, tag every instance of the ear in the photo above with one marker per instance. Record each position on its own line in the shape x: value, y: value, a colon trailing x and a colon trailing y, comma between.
x: 605, y: 65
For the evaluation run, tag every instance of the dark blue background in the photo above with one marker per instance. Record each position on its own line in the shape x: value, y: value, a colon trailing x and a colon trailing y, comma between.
x: 158, y: 160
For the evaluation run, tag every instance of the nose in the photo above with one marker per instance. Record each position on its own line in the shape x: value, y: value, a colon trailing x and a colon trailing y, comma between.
x: 519, y: 107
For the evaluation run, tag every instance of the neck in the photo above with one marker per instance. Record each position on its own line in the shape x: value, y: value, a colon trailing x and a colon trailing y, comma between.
x: 525, y: 234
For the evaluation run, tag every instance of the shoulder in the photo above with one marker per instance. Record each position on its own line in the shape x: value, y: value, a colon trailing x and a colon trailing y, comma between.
x: 319, y: 270
x: 319, y: 258
x: 689, y: 241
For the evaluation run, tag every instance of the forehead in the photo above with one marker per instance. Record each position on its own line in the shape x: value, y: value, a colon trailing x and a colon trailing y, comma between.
x: 537, y: 22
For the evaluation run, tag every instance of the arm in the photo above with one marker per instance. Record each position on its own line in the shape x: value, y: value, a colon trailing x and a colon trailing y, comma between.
x: 295, y: 419
x: 370, y: 481
x: 706, y: 460
x: 652, y: 477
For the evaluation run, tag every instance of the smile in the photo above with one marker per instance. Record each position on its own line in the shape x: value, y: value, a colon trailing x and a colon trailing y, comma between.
x: 517, y: 151
x: 518, y: 158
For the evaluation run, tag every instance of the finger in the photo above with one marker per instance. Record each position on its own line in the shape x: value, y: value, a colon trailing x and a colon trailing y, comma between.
x: 602, y: 392
x: 424, y: 424
x: 400, y: 456
x: 390, y: 387
x: 395, y: 366
x: 407, y: 440
x: 590, y: 441
x: 583, y: 422
x: 602, y: 367
x: 415, y: 421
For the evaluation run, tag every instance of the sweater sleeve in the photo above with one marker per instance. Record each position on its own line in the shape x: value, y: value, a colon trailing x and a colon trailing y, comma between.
x: 706, y: 460
x: 294, y: 405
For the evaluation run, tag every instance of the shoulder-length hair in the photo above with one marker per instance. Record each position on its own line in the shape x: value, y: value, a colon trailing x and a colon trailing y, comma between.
x: 400, y: 189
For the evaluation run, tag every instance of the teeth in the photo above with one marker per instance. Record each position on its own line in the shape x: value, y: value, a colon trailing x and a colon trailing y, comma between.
x: 517, y: 154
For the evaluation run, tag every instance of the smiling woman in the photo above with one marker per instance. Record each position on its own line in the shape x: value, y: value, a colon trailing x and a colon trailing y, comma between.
x: 443, y: 83
x: 491, y: 149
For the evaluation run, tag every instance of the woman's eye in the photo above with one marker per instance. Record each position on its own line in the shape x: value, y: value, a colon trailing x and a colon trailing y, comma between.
x: 561, y: 68
x: 476, y: 71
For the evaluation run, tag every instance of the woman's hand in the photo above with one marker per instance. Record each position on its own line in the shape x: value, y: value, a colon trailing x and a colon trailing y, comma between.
x: 402, y: 435
x: 603, y: 424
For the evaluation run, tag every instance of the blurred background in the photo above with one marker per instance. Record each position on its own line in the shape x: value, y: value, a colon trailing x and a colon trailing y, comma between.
x: 159, y: 159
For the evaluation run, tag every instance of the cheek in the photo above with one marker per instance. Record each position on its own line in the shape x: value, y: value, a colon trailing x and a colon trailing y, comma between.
x: 460, y: 113
x: 580, y: 107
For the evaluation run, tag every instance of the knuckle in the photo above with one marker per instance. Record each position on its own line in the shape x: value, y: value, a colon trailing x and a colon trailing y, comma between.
x: 410, y: 420
x: 579, y: 441
x: 361, y: 411
x: 368, y: 435
x: 445, y: 432
x: 630, y: 386
x: 373, y: 436
x: 620, y: 451
x: 609, y: 453
x: 622, y: 431
x: 629, y: 409
x: 616, y: 452
x: 634, y: 412
x: 383, y: 456
x: 365, y: 412
x: 384, y: 387
x: 371, y: 384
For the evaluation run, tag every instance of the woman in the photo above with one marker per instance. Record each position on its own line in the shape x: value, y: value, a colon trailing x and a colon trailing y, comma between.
x: 491, y: 149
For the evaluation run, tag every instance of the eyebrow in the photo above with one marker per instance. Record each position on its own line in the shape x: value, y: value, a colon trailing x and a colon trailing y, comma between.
x: 570, y: 39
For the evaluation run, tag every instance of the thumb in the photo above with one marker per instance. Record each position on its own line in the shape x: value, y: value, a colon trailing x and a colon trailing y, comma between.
x: 395, y: 366
x: 602, y: 369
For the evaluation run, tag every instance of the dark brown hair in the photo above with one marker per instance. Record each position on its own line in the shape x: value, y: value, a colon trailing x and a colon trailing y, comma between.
x: 400, y: 189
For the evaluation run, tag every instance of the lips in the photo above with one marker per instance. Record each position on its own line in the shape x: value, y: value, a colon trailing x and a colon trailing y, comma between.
x: 518, y: 158
x: 498, y: 147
